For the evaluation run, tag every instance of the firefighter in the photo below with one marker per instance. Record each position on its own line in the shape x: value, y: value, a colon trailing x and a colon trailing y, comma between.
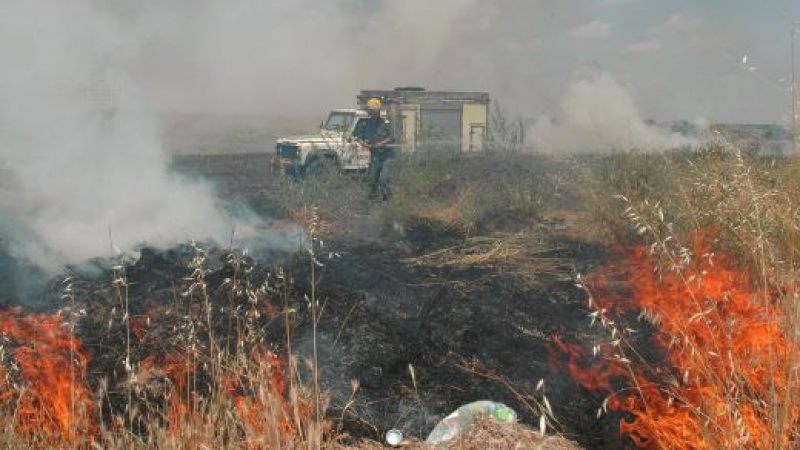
x: 376, y: 132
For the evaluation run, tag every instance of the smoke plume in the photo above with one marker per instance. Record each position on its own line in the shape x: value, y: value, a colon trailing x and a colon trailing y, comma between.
x: 83, y: 170
x: 601, y: 115
x: 85, y: 82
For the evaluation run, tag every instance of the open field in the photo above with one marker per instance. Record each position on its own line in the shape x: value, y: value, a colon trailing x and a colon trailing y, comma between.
x: 480, y: 279
x: 591, y: 240
x: 469, y: 298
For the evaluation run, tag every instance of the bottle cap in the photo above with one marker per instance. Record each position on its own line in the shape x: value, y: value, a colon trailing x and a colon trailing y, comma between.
x: 503, y: 414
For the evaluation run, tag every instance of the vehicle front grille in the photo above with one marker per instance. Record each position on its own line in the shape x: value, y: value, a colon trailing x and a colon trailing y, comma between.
x: 287, y: 151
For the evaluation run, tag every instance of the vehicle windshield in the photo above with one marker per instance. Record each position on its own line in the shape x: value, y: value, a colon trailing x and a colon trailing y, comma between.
x: 339, y: 121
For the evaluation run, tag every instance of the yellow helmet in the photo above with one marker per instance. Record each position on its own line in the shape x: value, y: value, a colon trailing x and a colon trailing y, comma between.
x: 374, y: 103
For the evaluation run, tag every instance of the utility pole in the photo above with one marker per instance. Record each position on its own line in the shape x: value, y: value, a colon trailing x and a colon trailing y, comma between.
x: 792, y: 82
x: 793, y: 26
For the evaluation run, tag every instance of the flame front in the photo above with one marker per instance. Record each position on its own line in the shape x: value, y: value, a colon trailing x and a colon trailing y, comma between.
x: 728, y: 375
x: 52, y: 403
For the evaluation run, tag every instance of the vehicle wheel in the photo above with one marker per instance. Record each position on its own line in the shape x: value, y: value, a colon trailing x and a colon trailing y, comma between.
x: 320, y: 166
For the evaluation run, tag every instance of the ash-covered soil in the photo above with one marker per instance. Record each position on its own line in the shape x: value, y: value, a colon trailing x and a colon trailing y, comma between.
x: 391, y: 306
x: 423, y: 322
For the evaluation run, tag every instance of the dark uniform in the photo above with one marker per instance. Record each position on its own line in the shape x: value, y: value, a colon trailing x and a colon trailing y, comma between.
x: 381, y: 159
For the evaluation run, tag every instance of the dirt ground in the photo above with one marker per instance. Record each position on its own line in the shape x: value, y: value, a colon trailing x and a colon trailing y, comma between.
x: 401, y: 299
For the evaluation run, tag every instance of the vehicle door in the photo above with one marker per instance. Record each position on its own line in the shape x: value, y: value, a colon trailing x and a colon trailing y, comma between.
x: 357, y: 151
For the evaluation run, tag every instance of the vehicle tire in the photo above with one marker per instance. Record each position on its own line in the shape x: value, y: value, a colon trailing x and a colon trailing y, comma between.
x: 320, y: 166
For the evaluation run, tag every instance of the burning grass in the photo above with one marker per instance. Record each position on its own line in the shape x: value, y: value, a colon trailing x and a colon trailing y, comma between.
x: 204, y: 357
x: 43, y: 390
x: 722, y: 368
x: 191, y: 372
x: 727, y: 379
x: 707, y: 257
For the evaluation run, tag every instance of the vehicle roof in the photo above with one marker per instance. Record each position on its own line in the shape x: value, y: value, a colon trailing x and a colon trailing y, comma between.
x: 358, y: 112
x: 421, y: 95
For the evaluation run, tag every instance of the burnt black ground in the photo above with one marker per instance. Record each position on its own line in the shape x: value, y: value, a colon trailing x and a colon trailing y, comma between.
x: 382, y: 317
x: 466, y: 333
x: 412, y: 317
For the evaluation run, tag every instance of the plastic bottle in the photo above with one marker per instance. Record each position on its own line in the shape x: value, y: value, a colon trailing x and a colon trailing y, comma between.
x: 461, y: 419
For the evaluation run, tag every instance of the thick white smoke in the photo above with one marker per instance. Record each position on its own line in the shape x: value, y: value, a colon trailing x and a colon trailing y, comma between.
x: 82, y: 166
x: 302, y: 57
x: 83, y: 83
x: 601, y: 115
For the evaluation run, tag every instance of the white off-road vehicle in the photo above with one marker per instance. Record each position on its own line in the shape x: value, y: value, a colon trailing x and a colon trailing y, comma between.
x: 422, y: 121
x: 336, y: 146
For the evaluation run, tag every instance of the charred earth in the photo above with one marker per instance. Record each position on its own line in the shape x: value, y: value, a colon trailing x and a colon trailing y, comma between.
x: 405, y: 321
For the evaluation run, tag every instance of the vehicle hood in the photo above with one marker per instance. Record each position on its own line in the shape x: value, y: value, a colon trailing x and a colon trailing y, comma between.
x: 312, y: 139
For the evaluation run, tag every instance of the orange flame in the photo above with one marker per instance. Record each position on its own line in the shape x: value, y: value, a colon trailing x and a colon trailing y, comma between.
x: 139, y: 324
x: 257, y: 411
x: 257, y: 392
x: 52, y: 403
x: 727, y: 362
x: 42, y: 386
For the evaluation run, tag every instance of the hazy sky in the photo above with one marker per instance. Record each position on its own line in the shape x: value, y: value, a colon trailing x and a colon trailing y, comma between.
x: 678, y: 58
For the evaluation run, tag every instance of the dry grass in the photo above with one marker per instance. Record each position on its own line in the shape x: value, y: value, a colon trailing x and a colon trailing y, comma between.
x: 193, y: 391
x: 718, y: 280
x: 466, y: 195
x: 525, y: 254
x: 449, y: 193
x: 205, y: 395
x: 247, y: 408
x: 748, y: 205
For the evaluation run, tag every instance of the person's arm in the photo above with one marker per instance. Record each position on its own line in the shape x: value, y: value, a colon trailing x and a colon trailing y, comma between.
x: 386, y: 135
x: 358, y: 133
